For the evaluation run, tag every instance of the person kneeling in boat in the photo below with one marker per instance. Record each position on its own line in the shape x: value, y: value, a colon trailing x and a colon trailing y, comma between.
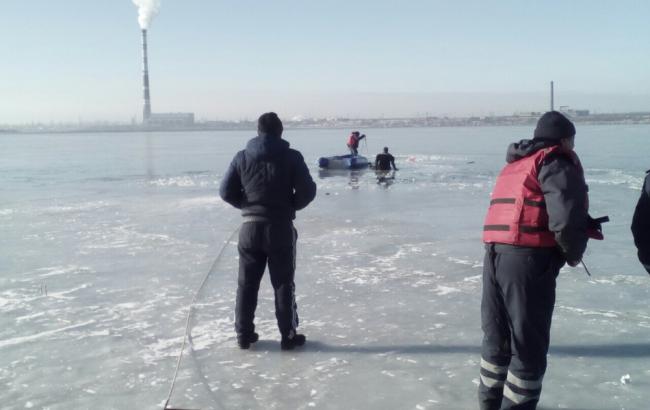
x: 353, y: 142
x: 384, y: 161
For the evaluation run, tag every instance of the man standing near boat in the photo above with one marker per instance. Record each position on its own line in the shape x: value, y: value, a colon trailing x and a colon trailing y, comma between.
x: 353, y: 142
x: 641, y: 224
x: 384, y: 161
x: 269, y: 182
x: 537, y: 222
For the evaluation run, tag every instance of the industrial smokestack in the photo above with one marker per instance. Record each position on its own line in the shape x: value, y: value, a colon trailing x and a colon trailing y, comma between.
x: 552, y: 102
x: 147, y: 9
x: 146, y: 109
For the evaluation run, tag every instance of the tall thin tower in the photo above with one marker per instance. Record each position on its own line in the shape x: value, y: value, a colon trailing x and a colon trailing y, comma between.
x: 552, y: 104
x: 146, y: 109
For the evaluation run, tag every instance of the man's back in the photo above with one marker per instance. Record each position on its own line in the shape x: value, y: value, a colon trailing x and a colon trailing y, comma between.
x: 383, y: 161
x: 268, y: 179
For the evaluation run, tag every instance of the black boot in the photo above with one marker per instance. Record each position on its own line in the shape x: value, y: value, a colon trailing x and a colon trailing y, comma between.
x: 244, y: 341
x: 288, y: 343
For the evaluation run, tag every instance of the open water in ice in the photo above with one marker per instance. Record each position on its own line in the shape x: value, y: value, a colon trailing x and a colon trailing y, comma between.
x: 105, y: 238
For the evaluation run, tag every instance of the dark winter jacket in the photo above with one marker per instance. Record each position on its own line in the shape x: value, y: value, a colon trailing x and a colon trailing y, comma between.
x: 268, y: 180
x: 641, y: 225
x: 565, y: 196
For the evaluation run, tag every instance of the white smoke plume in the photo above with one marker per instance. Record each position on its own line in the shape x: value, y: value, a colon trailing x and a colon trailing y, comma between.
x: 147, y: 9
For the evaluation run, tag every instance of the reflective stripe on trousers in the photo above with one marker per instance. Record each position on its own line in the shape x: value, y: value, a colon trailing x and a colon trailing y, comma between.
x: 492, y: 376
x: 520, y: 391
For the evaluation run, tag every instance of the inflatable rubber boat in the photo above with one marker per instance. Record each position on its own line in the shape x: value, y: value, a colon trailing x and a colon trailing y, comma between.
x: 343, y: 162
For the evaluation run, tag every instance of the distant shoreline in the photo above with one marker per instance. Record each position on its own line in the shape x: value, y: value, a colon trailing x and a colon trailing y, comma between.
x: 332, y: 123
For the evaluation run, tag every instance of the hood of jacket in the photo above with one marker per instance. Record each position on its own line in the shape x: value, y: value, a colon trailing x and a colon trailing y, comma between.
x: 525, y: 148
x: 266, y: 147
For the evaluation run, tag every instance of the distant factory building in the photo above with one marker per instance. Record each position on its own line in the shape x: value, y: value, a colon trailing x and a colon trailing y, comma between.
x: 172, y: 119
x: 573, y: 113
x: 579, y: 113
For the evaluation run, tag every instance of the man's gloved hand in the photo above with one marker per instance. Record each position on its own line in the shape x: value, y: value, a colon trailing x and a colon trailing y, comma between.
x: 594, y: 230
x: 573, y: 264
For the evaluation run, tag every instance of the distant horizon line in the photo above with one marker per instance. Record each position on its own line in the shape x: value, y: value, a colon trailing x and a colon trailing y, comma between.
x: 302, y: 118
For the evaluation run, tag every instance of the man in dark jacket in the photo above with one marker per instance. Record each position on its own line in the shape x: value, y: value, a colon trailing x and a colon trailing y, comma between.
x: 269, y: 182
x: 641, y: 224
x: 384, y: 161
x: 536, y: 222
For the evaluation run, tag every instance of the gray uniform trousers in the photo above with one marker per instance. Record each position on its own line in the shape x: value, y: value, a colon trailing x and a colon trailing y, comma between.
x: 516, y: 309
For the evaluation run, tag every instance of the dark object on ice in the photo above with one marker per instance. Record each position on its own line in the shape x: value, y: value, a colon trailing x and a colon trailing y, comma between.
x: 641, y: 225
x: 343, y: 162
x: 542, y: 185
x: 289, y: 343
x: 384, y: 161
x: 244, y: 340
x: 269, y: 182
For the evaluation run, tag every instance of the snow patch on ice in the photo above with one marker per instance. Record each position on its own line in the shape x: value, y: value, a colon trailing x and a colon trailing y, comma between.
x: 441, y: 290
x: 25, y: 339
x: 211, y: 333
x: 203, y: 202
x: 586, y: 312
x: 87, y: 206
x: 64, y: 270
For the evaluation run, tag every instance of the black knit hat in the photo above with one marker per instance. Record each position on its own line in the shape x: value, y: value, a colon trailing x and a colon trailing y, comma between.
x: 269, y: 124
x: 554, y: 126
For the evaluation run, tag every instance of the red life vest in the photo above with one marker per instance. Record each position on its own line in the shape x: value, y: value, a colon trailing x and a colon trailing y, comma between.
x: 517, y: 213
x: 353, y: 141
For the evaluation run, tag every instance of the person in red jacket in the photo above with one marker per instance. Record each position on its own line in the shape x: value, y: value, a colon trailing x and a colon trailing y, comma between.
x: 537, y: 221
x: 353, y: 142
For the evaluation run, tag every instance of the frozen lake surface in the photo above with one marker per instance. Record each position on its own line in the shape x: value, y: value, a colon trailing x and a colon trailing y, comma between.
x: 106, y: 237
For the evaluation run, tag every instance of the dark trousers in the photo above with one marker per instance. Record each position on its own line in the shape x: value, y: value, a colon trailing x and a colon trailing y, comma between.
x: 516, y: 310
x: 262, y: 243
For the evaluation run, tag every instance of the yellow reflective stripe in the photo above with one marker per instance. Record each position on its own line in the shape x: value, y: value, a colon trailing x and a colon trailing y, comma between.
x: 516, y: 397
x: 525, y: 384
x: 493, y: 367
x: 490, y: 382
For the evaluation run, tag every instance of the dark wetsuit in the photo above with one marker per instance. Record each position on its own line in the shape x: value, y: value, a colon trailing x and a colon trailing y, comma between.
x: 383, y: 162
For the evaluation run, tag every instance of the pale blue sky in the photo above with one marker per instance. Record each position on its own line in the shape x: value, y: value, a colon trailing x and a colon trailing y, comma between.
x: 72, y: 59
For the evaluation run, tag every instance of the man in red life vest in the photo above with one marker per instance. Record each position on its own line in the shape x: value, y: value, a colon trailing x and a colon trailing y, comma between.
x: 353, y: 142
x: 537, y: 222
